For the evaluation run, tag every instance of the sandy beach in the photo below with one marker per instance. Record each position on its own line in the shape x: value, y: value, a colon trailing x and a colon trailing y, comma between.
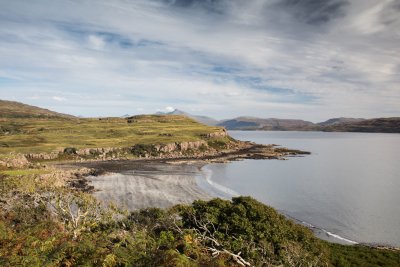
x: 149, y: 185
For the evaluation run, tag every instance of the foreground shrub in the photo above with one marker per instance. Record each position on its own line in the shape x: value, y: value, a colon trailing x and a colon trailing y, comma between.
x: 254, y: 231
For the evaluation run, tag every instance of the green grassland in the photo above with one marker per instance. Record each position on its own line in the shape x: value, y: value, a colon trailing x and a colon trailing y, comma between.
x: 28, y: 135
x: 24, y: 172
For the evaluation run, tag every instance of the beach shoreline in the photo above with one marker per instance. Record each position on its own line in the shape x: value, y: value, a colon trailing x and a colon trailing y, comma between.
x: 152, y: 184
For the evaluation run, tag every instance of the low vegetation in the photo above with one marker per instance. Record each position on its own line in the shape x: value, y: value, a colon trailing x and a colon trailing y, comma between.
x: 362, y: 256
x: 23, y: 172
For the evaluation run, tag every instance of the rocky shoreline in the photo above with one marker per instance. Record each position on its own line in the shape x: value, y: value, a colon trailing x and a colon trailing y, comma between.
x: 159, y: 181
x: 246, y: 150
x: 74, y: 170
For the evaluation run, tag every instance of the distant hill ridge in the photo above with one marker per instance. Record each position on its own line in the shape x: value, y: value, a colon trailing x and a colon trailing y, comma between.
x: 340, y: 120
x: 251, y: 123
x: 342, y: 124
x: 202, y: 119
x: 377, y: 125
x: 12, y: 109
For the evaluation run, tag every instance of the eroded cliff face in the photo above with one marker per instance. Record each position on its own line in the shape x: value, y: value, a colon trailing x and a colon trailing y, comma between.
x: 169, y: 150
x: 183, y: 146
x: 220, y: 134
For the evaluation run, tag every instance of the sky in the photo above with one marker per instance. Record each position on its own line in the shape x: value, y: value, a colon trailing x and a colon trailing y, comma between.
x: 304, y: 59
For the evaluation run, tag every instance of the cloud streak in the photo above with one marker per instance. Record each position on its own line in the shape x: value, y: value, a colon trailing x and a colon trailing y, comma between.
x: 221, y: 58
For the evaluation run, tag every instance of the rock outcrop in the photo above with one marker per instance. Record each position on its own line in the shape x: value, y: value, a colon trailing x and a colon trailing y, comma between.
x: 219, y: 134
x: 97, y: 151
x: 14, y: 161
x: 191, y: 145
x: 183, y: 146
x: 42, y: 156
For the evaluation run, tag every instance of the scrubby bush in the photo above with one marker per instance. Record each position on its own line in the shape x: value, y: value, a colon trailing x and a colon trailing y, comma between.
x: 142, y: 150
x: 70, y: 151
x: 217, y: 144
x: 255, y: 231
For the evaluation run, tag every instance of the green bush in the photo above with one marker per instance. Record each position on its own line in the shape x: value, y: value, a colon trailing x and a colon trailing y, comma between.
x: 217, y: 144
x: 70, y: 151
x: 349, y: 256
x: 255, y: 230
x: 142, y: 150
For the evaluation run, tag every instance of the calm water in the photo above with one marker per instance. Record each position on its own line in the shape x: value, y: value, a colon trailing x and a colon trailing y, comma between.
x: 349, y: 186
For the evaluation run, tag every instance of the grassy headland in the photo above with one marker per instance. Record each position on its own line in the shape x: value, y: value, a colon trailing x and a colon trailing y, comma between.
x: 28, y: 135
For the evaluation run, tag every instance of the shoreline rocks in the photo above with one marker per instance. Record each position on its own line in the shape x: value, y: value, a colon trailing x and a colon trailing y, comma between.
x: 42, y: 156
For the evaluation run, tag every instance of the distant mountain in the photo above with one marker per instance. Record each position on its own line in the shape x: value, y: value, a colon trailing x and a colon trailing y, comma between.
x: 271, y: 124
x: 11, y: 109
x: 335, y: 121
x: 202, y: 119
x: 379, y: 125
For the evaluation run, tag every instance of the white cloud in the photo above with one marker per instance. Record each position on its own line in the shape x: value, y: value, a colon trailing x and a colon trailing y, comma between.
x: 96, y: 42
x: 58, y: 98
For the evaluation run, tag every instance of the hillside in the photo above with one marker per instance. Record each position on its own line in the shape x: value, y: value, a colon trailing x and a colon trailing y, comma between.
x: 335, y: 121
x: 251, y: 123
x: 11, y: 109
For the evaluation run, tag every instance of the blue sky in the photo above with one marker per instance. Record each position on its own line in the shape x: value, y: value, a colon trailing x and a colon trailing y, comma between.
x: 306, y: 59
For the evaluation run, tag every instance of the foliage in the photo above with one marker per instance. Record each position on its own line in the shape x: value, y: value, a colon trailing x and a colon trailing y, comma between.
x: 218, y: 143
x: 255, y: 230
x: 70, y: 150
x: 142, y: 150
